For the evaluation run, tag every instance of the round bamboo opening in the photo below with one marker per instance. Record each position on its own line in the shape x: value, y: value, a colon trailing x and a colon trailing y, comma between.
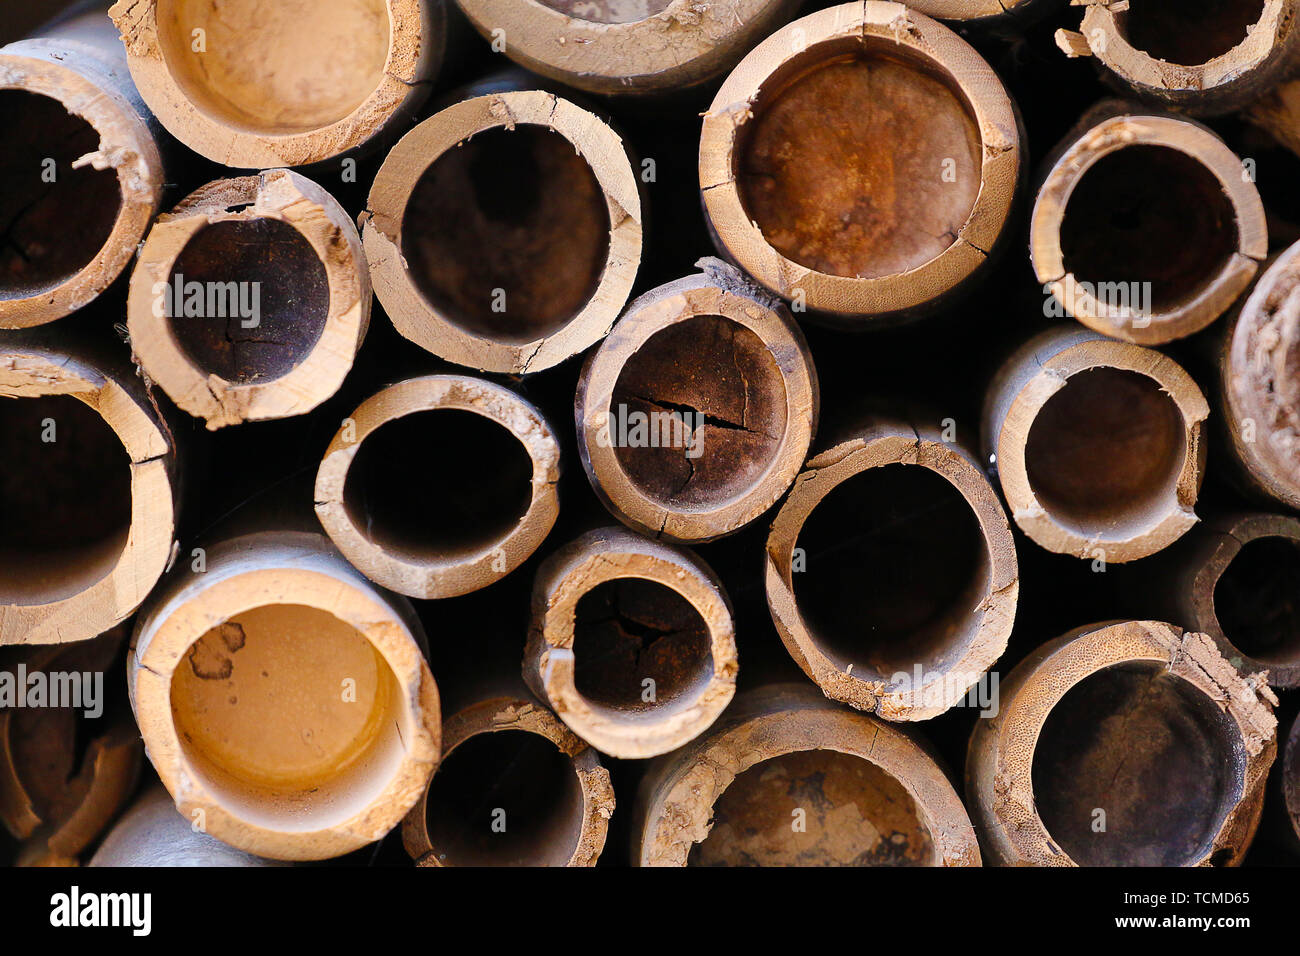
x: 1188, y: 32
x: 1257, y: 600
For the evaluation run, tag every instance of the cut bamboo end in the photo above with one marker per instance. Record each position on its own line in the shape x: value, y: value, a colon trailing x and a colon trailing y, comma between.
x: 1171, y: 772
x: 696, y: 413
x: 1207, y: 60
x: 788, y: 778
x: 515, y: 788
x: 799, y: 203
x: 504, y: 233
x: 611, y: 46
x: 632, y: 642
x: 1291, y: 778
x: 255, y: 86
x: 283, y: 699
x: 1097, y: 444
x: 891, y: 571
x: 453, y: 530
x: 83, y: 174
x: 250, y: 299
x: 152, y: 833
x: 1260, y: 379
x: 90, y: 491
x: 1147, y: 228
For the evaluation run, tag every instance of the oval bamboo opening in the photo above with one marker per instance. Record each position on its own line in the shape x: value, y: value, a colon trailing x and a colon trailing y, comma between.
x: 1188, y: 32
x: 1257, y: 600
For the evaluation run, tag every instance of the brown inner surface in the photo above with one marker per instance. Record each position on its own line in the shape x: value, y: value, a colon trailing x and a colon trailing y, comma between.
x: 608, y: 11
x: 843, y: 166
x: 1104, y: 454
x: 1257, y: 600
x: 49, y: 231
x: 630, y: 630
x: 853, y: 814
x: 259, y: 272
x: 282, y: 698
x: 712, y: 405
x: 505, y: 798
x: 507, y: 233
x: 276, y: 68
x: 1149, y: 214
x: 895, y: 570
x: 65, y: 505
x: 1152, y: 752
x: 1187, y: 32
x: 415, y: 489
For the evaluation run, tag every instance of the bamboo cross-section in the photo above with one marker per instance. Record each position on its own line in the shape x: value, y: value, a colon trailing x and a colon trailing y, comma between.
x: 1291, y: 779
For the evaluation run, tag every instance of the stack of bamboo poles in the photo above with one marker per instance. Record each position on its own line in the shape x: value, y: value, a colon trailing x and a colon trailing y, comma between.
x: 376, y: 404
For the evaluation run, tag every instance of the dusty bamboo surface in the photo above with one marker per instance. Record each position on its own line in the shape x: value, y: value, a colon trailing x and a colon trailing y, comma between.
x: 416, y: 566
x: 1178, y: 723
x: 954, y: 642
x: 1259, y: 378
x: 316, y: 275
x: 73, y: 589
x: 1230, y: 62
x: 1291, y: 778
x: 795, y: 200
x: 1000, y: 15
x: 228, y: 745
x: 574, y: 833
x: 876, y: 795
x: 597, y: 681
x: 152, y: 833
x: 285, y: 84
x: 1114, y: 473
x: 71, y: 250
x: 715, y: 346
x: 587, y: 227
x: 1198, y: 252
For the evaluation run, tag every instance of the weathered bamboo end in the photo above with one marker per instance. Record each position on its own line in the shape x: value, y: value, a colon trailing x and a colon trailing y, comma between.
x: 1291, y: 779
x: 1001, y: 16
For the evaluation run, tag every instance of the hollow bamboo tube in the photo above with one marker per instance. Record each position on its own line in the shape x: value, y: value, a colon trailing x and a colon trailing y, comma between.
x: 631, y: 641
x: 609, y: 46
x: 504, y: 232
x: 789, y: 778
x: 152, y: 833
x: 813, y: 210
x: 283, y: 699
x: 255, y: 85
x: 1204, y: 59
x: 461, y: 526
x: 515, y: 788
x: 891, y: 571
x: 1146, y: 228
x: 83, y: 174
x: 1171, y: 771
x: 696, y: 413
x: 1097, y: 444
x: 90, y: 489
x: 1259, y: 378
x: 1291, y: 779
x: 250, y: 299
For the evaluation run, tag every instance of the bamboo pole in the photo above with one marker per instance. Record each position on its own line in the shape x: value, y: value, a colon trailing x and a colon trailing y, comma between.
x: 515, y: 788
x: 719, y: 381
x: 250, y: 299
x: 253, y: 85
x: 284, y: 700
x: 1097, y: 444
x: 1170, y: 773
x: 83, y: 174
x: 891, y: 571
x: 504, y: 232
x: 815, y: 211
x: 631, y: 641
x: 460, y: 525
x: 788, y: 778
x: 1291, y: 779
x: 90, y: 488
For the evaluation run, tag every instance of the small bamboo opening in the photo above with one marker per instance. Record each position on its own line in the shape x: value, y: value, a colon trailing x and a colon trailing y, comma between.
x: 54, y: 219
x: 608, y: 11
x: 1188, y: 32
x: 1257, y: 600
x: 815, y: 808
x: 1136, y: 767
x: 507, y: 234
x: 1105, y: 453
x: 505, y: 798
x: 65, y: 499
